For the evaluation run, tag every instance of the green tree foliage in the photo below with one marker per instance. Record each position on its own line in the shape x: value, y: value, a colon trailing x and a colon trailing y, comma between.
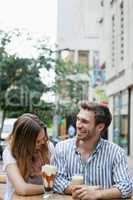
x: 20, y: 85
x: 69, y: 86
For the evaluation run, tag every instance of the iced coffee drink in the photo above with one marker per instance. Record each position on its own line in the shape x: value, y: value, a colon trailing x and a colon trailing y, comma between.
x: 48, y: 174
x: 77, y: 180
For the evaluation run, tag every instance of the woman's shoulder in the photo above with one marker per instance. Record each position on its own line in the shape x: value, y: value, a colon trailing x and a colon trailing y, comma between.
x: 8, y: 157
x: 7, y: 151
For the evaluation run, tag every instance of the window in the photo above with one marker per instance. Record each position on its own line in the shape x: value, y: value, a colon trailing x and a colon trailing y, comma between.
x: 113, y: 41
x: 102, y: 3
x: 83, y: 57
x: 121, y: 31
x: 120, y: 119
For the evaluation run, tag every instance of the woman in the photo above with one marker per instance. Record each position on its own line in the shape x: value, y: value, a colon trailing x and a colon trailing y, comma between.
x: 27, y: 151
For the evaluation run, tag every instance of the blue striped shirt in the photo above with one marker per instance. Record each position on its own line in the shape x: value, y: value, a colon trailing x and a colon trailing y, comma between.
x: 107, y: 166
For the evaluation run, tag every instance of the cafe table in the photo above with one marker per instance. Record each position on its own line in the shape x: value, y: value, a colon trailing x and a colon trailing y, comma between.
x: 33, y: 197
x: 53, y: 197
x: 40, y: 197
x: 37, y: 197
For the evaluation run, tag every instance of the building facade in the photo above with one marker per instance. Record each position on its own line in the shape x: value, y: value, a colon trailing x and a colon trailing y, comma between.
x: 78, y: 32
x: 116, y: 27
x: 77, y: 25
x: 78, y: 38
x: 77, y: 28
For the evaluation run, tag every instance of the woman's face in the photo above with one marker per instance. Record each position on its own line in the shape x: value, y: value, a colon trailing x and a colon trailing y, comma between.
x: 41, y: 139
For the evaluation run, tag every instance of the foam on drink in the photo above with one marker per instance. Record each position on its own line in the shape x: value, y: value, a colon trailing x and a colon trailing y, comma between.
x: 77, y: 180
x: 48, y: 172
x: 49, y: 169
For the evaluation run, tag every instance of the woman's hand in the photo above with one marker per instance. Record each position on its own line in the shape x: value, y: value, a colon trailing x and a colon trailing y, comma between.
x: 84, y: 192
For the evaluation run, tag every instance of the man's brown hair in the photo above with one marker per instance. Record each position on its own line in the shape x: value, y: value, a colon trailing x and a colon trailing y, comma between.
x: 102, y: 112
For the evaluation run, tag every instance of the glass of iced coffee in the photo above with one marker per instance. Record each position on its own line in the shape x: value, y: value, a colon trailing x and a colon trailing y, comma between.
x: 48, y: 174
x: 77, y: 179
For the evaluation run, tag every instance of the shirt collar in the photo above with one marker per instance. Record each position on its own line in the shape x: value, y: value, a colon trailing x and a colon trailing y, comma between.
x: 98, y: 147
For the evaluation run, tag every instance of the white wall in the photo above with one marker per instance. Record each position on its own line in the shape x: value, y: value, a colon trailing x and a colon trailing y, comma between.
x: 131, y: 125
x: 110, y: 132
x: 119, y: 77
x: 77, y: 24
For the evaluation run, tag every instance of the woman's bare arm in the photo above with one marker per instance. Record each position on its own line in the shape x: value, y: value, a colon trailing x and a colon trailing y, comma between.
x: 21, y: 187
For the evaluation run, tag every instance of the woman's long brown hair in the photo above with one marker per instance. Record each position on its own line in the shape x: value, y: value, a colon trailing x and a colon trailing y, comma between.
x: 23, y: 142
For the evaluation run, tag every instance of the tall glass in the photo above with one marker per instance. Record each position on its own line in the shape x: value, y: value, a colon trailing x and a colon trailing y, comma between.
x: 77, y: 179
x: 48, y: 174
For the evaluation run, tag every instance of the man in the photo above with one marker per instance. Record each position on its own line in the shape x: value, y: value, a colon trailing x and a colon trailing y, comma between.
x: 102, y: 164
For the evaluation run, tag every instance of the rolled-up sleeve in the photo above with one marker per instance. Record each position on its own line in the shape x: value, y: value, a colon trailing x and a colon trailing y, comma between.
x: 61, y: 180
x: 121, y: 177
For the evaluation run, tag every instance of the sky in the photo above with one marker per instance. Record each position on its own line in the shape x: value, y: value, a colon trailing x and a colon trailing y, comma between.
x: 37, y: 17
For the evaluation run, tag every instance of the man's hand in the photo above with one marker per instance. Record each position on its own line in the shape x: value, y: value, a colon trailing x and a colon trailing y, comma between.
x: 84, y: 192
x: 69, y: 189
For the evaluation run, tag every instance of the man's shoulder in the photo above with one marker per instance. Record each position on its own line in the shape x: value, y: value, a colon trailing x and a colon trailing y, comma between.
x: 112, y: 146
